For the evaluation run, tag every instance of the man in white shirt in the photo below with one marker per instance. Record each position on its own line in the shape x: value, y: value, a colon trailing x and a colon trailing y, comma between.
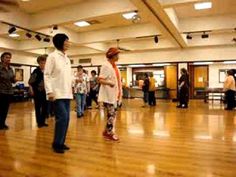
x: 58, y: 86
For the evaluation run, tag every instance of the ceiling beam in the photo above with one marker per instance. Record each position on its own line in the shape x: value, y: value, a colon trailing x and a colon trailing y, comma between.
x: 162, y: 20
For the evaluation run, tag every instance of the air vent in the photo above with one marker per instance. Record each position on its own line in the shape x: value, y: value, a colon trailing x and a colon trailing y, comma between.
x: 84, y: 60
x: 93, y: 22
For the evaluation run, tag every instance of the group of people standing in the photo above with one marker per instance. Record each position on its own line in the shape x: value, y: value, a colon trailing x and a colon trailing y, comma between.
x: 85, y: 90
x: 149, y: 89
x: 53, y: 81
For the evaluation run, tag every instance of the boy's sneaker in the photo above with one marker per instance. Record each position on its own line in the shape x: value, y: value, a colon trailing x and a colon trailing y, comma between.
x: 110, y: 136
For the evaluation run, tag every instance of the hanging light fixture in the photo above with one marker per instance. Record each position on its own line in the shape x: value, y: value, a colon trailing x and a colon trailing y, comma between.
x: 12, y: 29
x: 46, y: 39
x: 204, y: 35
x: 28, y: 35
x: 37, y: 36
x: 156, y: 40
x: 189, y: 36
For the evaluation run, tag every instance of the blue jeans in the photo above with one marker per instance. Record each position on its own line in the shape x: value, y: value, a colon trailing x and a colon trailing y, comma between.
x: 145, y: 97
x: 80, y: 101
x: 62, y: 115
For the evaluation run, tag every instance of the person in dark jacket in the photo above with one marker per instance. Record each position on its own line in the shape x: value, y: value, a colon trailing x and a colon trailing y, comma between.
x: 7, y: 77
x: 183, y: 89
x: 145, y: 89
x: 36, y: 82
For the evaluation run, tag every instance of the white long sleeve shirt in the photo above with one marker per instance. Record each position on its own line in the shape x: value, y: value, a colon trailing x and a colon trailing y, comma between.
x: 108, y: 94
x: 57, y: 75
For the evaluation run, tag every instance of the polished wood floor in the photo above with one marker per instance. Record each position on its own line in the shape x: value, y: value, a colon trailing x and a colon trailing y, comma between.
x: 159, y: 141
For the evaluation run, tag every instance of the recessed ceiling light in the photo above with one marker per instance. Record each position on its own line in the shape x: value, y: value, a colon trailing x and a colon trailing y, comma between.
x: 136, y: 66
x: 129, y: 15
x: 203, y: 5
x: 25, y: 0
x: 82, y: 23
x: 202, y: 63
x: 161, y: 64
x: 14, y: 35
x: 229, y: 62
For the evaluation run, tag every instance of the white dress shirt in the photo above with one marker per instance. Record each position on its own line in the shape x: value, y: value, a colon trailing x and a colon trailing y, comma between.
x: 57, y: 75
x: 108, y: 94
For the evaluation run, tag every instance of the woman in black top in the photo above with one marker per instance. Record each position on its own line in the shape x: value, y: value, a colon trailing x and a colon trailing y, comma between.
x: 36, y: 82
x: 7, y: 77
x: 183, y: 89
x: 145, y: 89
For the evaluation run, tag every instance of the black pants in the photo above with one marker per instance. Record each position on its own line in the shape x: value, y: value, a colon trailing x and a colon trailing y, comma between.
x: 183, y: 96
x: 151, y: 98
x: 4, y: 107
x: 40, y: 104
x: 230, y: 99
x: 92, y: 96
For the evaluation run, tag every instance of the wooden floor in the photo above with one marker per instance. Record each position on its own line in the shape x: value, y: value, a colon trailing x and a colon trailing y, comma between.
x: 159, y: 141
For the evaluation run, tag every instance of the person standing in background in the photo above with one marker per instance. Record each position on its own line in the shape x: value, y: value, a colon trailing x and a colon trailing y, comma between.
x: 151, y: 92
x: 229, y: 88
x: 94, y: 86
x: 58, y: 85
x: 145, y: 89
x: 36, y: 83
x: 80, y: 90
x: 7, y: 77
x: 110, y: 93
x: 183, y: 89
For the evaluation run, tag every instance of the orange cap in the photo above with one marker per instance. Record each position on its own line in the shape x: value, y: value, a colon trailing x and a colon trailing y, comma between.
x: 111, y: 52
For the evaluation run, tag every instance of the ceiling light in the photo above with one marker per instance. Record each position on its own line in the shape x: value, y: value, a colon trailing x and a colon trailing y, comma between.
x: 82, y: 23
x: 28, y: 35
x: 136, y: 18
x: 136, y: 65
x: 204, y: 35
x: 14, y: 35
x: 129, y: 15
x: 202, y: 5
x: 202, y: 63
x: 47, y: 39
x: 229, y: 62
x: 11, y: 29
x: 37, y: 36
x: 189, y: 37
x: 55, y: 27
x: 161, y: 64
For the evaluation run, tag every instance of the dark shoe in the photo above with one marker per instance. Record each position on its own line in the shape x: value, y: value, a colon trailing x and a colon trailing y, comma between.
x: 45, y: 125
x: 59, y: 150
x: 4, y: 127
x: 229, y: 109
x: 65, y: 147
x: 178, y: 106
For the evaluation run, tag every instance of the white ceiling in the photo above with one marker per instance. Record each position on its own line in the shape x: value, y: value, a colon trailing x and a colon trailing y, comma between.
x: 219, y: 7
x: 35, y: 6
x: 41, y: 15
